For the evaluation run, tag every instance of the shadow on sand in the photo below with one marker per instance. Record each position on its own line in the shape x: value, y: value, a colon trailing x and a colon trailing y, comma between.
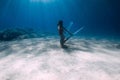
x: 70, y: 48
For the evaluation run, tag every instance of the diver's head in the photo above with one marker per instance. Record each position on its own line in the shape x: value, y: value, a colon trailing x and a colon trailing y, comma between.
x: 60, y: 22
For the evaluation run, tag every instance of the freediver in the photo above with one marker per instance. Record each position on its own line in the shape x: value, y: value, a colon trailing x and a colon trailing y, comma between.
x: 61, y: 30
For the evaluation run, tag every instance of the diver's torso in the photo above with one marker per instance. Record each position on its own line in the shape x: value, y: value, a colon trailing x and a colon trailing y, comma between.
x: 60, y: 29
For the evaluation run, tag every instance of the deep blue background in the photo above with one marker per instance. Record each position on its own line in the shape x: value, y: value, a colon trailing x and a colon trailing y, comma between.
x: 100, y: 17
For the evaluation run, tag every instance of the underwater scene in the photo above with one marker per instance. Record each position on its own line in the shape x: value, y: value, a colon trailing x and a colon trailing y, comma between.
x: 59, y: 40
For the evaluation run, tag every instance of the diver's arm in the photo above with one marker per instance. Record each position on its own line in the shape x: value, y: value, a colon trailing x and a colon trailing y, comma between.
x: 67, y: 31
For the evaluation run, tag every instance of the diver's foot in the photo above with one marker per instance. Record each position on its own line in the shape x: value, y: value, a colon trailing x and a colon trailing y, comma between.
x: 64, y: 46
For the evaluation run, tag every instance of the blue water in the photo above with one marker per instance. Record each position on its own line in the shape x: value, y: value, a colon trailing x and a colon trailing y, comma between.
x: 30, y: 47
x: 101, y: 18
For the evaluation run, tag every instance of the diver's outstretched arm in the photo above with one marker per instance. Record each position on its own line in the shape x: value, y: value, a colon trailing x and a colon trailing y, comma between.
x: 67, y: 31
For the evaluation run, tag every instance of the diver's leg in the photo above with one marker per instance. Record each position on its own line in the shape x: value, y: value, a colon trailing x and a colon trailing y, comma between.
x: 61, y: 43
x: 62, y: 40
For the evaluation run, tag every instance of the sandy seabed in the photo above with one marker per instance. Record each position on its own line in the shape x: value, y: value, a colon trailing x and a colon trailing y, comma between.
x: 43, y: 59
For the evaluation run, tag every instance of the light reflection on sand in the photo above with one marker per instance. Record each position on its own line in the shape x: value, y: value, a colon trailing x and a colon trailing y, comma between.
x: 43, y: 59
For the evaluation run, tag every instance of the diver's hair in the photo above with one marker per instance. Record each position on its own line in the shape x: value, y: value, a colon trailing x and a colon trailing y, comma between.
x: 60, y: 22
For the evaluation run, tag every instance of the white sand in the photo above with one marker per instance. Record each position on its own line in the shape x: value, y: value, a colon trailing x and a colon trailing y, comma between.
x: 43, y: 59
